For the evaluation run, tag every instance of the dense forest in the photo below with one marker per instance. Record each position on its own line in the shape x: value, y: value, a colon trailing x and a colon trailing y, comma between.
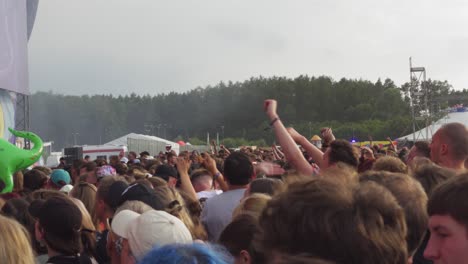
x: 353, y: 108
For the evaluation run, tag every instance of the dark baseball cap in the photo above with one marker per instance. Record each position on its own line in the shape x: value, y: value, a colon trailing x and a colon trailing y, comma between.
x: 165, y: 171
x: 58, y: 216
x: 142, y: 193
x: 115, y: 193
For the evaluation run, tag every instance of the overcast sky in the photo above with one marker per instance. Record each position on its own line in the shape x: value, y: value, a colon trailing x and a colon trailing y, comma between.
x: 153, y: 46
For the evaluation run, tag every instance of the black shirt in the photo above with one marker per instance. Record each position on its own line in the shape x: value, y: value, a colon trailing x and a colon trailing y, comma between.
x: 78, y: 259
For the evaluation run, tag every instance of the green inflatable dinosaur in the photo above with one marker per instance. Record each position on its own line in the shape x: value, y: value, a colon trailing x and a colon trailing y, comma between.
x: 13, y: 159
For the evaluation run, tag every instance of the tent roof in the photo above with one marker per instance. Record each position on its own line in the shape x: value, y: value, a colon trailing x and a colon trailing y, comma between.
x: 122, y: 141
x: 459, y: 117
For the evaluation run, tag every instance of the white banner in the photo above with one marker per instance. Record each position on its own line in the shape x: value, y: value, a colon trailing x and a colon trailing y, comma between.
x: 13, y: 46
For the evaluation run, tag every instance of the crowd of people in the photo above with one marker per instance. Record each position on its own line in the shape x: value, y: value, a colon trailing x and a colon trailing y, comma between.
x: 298, y: 202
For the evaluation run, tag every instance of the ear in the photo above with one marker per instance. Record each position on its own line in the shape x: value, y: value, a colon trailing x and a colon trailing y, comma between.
x: 172, y: 182
x: 443, y: 149
x: 39, y: 231
x: 244, y: 257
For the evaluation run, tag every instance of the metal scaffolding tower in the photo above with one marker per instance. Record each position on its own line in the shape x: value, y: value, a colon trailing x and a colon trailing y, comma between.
x: 418, y: 94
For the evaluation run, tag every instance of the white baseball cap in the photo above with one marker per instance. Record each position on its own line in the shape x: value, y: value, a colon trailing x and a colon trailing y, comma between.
x: 121, y: 221
x: 66, y: 188
x: 150, y: 229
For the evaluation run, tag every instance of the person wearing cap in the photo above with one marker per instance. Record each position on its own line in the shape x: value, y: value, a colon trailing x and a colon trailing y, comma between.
x: 104, y: 171
x: 141, y: 232
x: 58, y: 179
x: 131, y: 157
x: 140, y: 192
x: 168, y: 173
x: 58, y: 226
x: 107, y: 198
x: 124, y: 160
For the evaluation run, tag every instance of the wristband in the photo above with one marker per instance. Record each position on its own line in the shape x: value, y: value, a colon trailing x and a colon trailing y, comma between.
x: 274, y: 121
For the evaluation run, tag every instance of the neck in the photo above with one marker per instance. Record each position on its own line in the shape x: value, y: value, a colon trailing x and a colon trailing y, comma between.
x: 453, y: 164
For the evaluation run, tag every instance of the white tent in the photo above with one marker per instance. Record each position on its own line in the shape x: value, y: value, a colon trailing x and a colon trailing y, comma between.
x: 123, y: 141
x: 427, y: 132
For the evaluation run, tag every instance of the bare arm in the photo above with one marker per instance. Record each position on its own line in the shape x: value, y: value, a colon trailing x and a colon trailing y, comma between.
x: 292, y: 153
x: 311, y: 149
x: 185, y: 185
x: 210, y: 165
x: 225, y: 149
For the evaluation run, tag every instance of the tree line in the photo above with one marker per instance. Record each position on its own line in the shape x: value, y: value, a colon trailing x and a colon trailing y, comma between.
x: 233, y: 111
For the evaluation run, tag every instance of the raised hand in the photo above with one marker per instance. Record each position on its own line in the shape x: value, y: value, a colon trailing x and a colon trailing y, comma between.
x: 269, y: 106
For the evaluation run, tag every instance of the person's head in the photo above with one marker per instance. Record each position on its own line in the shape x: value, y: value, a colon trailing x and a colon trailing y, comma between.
x: 266, y: 186
x: 170, y: 200
x: 448, y: 222
x: 135, y: 206
x: 89, y: 169
x: 252, y: 205
x: 45, y: 194
x: 34, y: 180
x: 334, y: 221
x: 449, y: 146
x: 105, y: 171
x: 58, y: 179
x: 140, y: 192
x: 238, y: 169
x: 202, y: 180
x: 144, y: 154
x: 17, y: 208
x: 171, y: 158
x: 390, y: 164
x: 341, y: 151
x: 411, y: 197
x: 157, y: 182
x: 419, y: 149
x: 59, y: 225
x: 168, y: 173
x: 137, y: 172
x: 86, y: 193
x: 121, y: 168
x: 106, y: 199
x: 46, y: 170
x: 15, y: 246
x: 152, y: 228
x: 431, y: 175
x: 87, y: 158
x: 238, y: 236
x: 189, y: 254
x: 367, y: 153
x: 75, y: 169
x: 132, y: 155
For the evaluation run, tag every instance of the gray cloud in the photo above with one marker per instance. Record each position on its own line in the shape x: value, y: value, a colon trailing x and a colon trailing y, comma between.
x: 121, y: 46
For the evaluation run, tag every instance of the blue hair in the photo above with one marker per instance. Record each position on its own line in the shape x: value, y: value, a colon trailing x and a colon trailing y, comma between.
x: 195, y: 253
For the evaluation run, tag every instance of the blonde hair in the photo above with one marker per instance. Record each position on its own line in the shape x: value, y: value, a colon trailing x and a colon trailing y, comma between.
x: 15, y: 245
x: 86, y: 193
x: 88, y: 229
x: 174, y: 204
x: 252, y: 205
x: 135, y: 206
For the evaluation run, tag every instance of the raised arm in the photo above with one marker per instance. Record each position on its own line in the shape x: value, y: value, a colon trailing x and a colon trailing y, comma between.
x: 183, y: 166
x: 292, y: 153
x: 210, y: 164
x: 311, y: 149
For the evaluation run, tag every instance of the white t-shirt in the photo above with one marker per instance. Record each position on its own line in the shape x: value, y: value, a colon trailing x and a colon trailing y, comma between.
x: 208, y: 194
x: 217, y: 213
